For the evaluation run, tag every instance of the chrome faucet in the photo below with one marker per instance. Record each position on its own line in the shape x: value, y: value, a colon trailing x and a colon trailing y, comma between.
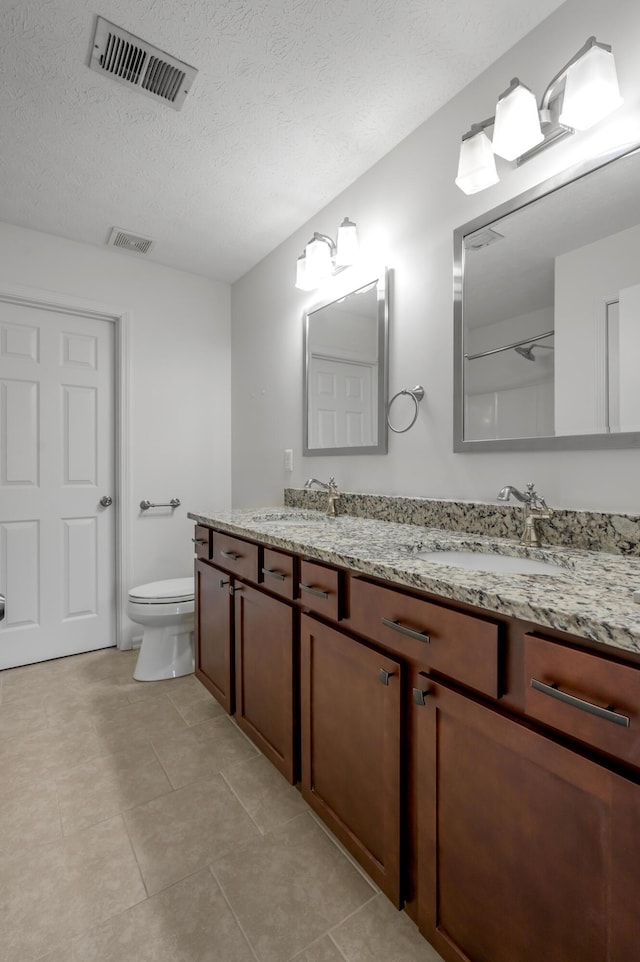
x: 535, y: 509
x: 331, y: 488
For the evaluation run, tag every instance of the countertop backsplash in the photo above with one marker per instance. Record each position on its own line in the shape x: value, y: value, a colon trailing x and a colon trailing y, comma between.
x: 588, y: 530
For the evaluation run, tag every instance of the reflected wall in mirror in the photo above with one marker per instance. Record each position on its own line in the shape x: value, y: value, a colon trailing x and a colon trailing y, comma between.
x: 547, y: 315
x: 346, y: 371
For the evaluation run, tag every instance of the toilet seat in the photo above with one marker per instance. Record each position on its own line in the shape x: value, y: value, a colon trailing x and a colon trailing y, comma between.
x: 172, y: 591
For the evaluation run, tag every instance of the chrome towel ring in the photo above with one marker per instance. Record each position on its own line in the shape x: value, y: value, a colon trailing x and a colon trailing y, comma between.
x: 417, y: 394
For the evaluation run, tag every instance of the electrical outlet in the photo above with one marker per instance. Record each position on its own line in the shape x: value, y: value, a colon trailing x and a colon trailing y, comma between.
x: 288, y: 459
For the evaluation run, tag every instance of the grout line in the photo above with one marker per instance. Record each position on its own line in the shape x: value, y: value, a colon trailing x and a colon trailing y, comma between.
x: 233, y: 792
x: 235, y: 917
x: 347, y: 854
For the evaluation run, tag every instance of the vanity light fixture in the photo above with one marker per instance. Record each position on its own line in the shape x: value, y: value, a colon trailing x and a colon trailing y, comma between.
x: 322, y: 256
x: 581, y: 94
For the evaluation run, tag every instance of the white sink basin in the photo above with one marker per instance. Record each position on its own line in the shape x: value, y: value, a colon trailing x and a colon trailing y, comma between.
x: 500, y: 563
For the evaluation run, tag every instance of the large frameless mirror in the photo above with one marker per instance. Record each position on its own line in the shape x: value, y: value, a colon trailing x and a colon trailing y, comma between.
x: 346, y: 371
x: 547, y: 315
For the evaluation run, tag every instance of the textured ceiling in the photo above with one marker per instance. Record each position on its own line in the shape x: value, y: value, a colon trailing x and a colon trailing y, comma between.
x: 294, y: 100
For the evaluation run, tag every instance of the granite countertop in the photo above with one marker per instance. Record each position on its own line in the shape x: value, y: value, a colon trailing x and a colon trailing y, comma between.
x: 592, y: 597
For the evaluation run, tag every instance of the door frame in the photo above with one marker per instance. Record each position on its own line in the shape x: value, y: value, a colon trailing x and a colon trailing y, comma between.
x: 82, y: 307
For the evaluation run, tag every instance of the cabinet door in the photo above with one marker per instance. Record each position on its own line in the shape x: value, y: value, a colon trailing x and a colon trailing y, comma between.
x: 265, y: 690
x: 213, y: 633
x: 350, y: 714
x: 517, y: 854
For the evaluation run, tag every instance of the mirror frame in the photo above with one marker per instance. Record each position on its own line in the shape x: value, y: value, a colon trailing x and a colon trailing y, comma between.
x: 567, y: 442
x: 364, y: 279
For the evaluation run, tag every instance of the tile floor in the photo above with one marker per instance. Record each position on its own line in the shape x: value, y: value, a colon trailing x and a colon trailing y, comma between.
x: 138, y: 824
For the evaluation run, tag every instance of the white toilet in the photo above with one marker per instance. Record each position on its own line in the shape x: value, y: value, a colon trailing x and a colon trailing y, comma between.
x: 166, y: 610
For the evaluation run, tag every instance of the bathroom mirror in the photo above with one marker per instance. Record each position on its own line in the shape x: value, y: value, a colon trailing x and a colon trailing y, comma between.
x: 346, y: 370
x: 547, y: 315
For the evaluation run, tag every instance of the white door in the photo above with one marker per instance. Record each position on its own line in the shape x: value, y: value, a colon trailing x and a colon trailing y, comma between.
x: 57, y: 543
x: 341, y: 405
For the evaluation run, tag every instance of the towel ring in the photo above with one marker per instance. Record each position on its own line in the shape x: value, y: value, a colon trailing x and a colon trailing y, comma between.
x: 417, y: 393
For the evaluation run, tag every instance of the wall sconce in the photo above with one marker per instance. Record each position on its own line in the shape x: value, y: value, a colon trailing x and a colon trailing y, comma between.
x: 581, y: 94
x: 322, y: 256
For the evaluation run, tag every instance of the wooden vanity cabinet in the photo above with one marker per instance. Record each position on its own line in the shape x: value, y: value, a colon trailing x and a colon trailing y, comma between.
x: 265, y: 641
x: 525, y: 847
x: 351, y: 724
x: 213, y: 636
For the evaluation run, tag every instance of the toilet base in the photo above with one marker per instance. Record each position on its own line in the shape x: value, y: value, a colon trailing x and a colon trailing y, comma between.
x: 165, y: 653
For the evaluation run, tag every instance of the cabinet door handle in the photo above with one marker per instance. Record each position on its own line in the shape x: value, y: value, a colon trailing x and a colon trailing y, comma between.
x: 419, y: 696
x: 199, y: 540
x: 223, y: 582
x: 276, y: 575
x: 230, y: 555
x: 234, y: 588
x: 606, y: 713
x: 411, y: 632
x: 313, y: 591
x: 384, y: 676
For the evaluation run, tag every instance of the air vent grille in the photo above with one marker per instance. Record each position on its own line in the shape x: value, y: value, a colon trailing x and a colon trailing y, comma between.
x: 124, y: 240
x: 130, y: 60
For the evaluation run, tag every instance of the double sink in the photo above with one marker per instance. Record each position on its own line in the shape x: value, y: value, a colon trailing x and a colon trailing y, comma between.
x: 497, y: 556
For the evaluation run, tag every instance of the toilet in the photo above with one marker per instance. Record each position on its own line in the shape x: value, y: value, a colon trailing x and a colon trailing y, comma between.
x: 166, y: 611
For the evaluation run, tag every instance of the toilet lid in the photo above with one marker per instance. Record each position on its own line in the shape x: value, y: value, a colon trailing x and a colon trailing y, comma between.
x: 175, y: 589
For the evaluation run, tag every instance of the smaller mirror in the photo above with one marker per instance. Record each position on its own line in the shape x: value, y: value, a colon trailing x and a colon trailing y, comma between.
x: 346, y: 372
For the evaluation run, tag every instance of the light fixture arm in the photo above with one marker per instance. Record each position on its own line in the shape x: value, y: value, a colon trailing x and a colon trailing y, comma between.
x: 325, y: 237
x: 476, y: 128
x: 561, y: 76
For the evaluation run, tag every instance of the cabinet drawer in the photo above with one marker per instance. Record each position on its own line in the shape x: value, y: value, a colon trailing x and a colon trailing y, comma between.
x: 202, y: 541
x: 321, y: 589
x: 277, y: 573
x: 460, y: 646
x: 584, y: 695
x: 234, y: 554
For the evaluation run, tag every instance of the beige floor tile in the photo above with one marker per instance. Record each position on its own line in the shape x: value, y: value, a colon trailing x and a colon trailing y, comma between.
x: 323, y: 951
x: 289, y: 887
x: 62, y: 954
x: 17, y: 718
x: 105, y: 786
x: 192, y: 753
x: 47, y: 752
x: 136, y: 723
x: 198, y: 709
x: 189, y: 922
x: 29, y: 813
x: 87, y: 702
x: 51, y: 894
x: 379, y: 933
x: 265, y: 794
x: 178, y: 834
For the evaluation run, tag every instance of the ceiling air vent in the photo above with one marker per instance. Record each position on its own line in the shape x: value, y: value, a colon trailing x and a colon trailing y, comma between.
x: 134, y: 62
x: 125, y: 241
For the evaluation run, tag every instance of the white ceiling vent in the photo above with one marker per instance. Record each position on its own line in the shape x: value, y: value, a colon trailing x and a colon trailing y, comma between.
x: 126, y: 241
x: 134, y: 62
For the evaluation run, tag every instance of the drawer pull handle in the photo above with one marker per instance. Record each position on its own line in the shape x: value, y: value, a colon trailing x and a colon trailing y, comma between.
x: 223, y: 582
x: 230, y: 555
x: 411, y: 632
x: 313, y: 591
x: 606, y: 713
x: 384, y: 676
x: 234, y: 588
x: 276, y: 575
x: 199, y: 540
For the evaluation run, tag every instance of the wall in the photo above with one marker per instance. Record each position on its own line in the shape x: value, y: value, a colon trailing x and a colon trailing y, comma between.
x: 406, y: 208
x: 179, y: 417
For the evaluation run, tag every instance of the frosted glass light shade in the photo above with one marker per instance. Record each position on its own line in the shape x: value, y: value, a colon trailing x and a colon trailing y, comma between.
x: 318, y: 258
x: 347, y: 244
x: 591, y: 89
x: 476, y: 165
x: 517, y: 124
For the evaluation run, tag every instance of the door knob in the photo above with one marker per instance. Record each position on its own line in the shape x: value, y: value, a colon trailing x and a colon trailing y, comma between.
x: 106, y: 501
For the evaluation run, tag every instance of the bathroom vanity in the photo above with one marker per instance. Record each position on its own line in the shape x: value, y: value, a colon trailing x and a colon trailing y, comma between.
x: 472, y: 739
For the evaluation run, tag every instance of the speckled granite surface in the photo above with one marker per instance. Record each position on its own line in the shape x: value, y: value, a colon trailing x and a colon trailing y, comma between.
x: 591, y: 530
x: 592, y: 596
